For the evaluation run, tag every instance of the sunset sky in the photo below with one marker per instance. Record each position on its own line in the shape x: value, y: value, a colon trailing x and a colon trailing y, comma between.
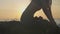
x: 12, y: 9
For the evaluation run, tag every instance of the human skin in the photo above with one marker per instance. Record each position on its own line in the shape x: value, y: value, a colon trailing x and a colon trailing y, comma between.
x: 36, y: 5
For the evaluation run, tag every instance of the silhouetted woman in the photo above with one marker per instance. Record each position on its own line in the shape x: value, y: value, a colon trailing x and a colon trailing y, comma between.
x: 36, y: 5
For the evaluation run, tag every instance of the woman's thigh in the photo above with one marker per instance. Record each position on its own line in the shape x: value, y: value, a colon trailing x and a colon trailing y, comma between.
x: 45, y: 4
x: 35, y: 6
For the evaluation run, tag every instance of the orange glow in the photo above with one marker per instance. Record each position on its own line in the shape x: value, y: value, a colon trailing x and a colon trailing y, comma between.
x: 13, y: 9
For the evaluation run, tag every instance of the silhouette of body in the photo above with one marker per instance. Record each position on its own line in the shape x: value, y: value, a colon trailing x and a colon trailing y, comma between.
x: 35, y: 5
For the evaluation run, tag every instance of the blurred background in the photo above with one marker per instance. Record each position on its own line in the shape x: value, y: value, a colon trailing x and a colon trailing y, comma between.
x: 13, y: 9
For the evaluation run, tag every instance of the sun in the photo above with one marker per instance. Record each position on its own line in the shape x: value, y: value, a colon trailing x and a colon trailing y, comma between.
x: 24, y: 5
x: 23, y: 9
x: 20, y: 11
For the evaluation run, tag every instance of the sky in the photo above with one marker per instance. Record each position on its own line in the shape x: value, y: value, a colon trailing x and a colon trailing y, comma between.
x: 12, y: 9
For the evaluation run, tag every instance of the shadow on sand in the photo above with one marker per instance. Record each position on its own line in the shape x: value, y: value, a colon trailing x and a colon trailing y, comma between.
x: 38, y: 26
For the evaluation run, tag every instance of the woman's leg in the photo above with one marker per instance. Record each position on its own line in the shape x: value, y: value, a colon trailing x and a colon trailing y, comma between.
x: 46, y: 6
x: 47, y: 11
x: 28, y: 14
